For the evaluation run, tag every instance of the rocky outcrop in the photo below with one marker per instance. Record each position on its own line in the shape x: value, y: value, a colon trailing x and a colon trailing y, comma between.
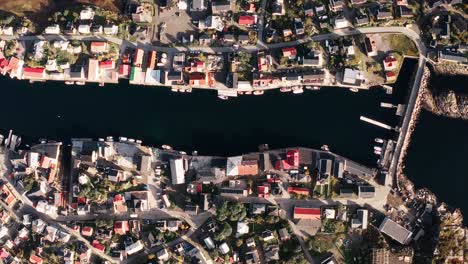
x: 447, y: 103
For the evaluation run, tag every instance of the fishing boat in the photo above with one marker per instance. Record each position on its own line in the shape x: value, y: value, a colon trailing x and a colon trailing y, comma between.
x: 354, y: 90
x: 69, y: 83
x: 285, y: 89
x: 325, y: 147
x: 378, y: 140
x: 223, y: 97
x: 258, y: 92
x: 298, y: 90
x: 166, y: 147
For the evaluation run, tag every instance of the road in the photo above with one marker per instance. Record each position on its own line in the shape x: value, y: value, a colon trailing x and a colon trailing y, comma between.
x: 249, y: 48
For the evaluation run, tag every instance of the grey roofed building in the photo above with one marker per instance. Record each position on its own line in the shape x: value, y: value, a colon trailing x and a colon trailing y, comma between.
x: 229, y: 38
x: 384, y: 14
x: 405, y: 11
x: 395, y: 231
x: 284, y: 234
x: 362, y: 20
x: 308, y: 76
x: 243, y: 38
x: 77, y: 74
x: 174, y: 76
x: 271, y: 253
x: 346, y: 193
x: 366, y: 191
x: 144, y: 163
x: 220, y: 7
x: 446, y: 55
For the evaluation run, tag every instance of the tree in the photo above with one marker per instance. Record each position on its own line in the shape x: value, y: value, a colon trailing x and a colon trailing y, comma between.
x: 226, y: 231
x: 238, y: 212
x: 222, y: 212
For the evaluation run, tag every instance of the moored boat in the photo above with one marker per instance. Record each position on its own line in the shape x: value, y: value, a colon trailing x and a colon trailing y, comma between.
x: 325, y: 147
x: 80, y: 83
x: 298, y: 90
x: 285, y: 89
x: 354, y: 90
x: 69, y: 83
x: 223, y: 97
x: 378, y: 140
x: 258, y: 92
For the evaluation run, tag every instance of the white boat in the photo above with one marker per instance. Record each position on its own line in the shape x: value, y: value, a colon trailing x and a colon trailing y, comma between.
x: 139, y: 141
x: 188, y: 90
x: 101, y: 84
x: 100, y: 139
x: 122, y: 139
x: 131, y: 140
x: 182, y: 90
x: 240, y: 92
x: 377, y: 152
x: 325, y: 147
x: 298, y: 91
x: 69, y: 83
x: 258, y: 92
x: 285, y: 89
x: 354, y: 90
x: 166, y: 147
x: 1, y: 139
x: 316, y: 88
x: 183, y: 152
x: 174, y: 90
x: 377, y: 148
x: 248, y: 93
x: 80, y: 83
x: 110, y: 139
x: 223, y: 97
x: 378, y: 140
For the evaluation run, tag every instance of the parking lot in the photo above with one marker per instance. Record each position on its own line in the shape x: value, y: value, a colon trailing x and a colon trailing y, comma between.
x: 179, y: 24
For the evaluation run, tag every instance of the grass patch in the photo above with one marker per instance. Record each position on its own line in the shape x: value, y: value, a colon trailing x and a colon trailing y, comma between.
x: 402, y: 44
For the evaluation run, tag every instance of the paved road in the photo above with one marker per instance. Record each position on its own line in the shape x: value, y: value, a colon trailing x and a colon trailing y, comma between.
x: 249, y: 48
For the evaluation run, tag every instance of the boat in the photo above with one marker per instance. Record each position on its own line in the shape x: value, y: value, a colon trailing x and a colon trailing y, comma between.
x: 139, y: 141
x: 1, y: 139
x: 248, y: 93
x: 223, y: 97
x: 377, y: 148
x: 18, y: 142
x: 110, y: 139
x: 316, y: 88
x: 285, y: 89
x: 80, y: 83
x: 188, y: 90
x: 377, y: 152
x: 354, y: 90
x: 298, y: 90
x: 182, y: 91
x: 240, y: 92
x: 174, y: 89
x: 258, y: 92
x: 166, y: 147
x: 100, y: 139
x: 378, y: 140
x: 325, y: 147
x: 122, y: 139
x: 101, y: 84
x: 183, y: 152
x: 69, y: 83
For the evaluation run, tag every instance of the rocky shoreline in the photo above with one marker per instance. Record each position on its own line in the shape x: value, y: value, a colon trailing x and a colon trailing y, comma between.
x: 450, y: 69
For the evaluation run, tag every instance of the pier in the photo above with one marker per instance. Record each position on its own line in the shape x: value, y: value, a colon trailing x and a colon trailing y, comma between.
x: 374, y: 122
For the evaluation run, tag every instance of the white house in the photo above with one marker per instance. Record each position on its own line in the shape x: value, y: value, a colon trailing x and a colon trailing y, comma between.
x: 87, y: 14
x: 111, y: 29
x: 84, y: 29
x: 134, y: 248
x: 8, y: 31
x: 224, y: 248
x: 52, y: 29
x: 342, y: 23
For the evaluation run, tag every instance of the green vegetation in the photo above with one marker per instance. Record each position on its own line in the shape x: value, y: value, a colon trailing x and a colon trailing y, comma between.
x: 333, y: 226
x: 320, y: 244
x: 245, y: 66
x: 402, y: 44
x: 225, y: 231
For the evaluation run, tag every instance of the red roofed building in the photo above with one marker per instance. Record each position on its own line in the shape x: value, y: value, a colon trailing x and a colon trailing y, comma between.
x: 99, y: 47
x: 121, y: 227
x: 7, y: 195
x: 34, y: 73
x: 76, y: 228
x: 35, y: 259
x: 307, y: 213
x: 98, y: 246
x: 87, y: 231
x: 107, y: 65
x: 248, y: 167
x: 197, y: 79
x: 390, y: 76
x: 298, y: 190
x: 246, y: 20
x: 390, y: 63
x: 124, y: 70
x: 292, y: 157
x: 263, y: 191
x: 119, y: 204
x: 152, y: 60
x: 290, y: 52
x: 138, y: 59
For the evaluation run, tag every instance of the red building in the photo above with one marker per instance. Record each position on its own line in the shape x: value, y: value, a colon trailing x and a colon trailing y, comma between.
x: 298, y: 190
x: 246, y: 20
x: 34, y: 73
x: 307, y: 213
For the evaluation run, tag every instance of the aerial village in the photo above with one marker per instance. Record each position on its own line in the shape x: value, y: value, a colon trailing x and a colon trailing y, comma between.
x: 232, y: 46
x: 117, y: 201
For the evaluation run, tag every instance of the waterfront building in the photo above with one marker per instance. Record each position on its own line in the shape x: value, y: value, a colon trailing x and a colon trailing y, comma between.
x: 138, y: 58
x: 93, y: 70
x: 34, y: 73
x: 395, y: 231
x: 177, y: 171
x: 390, y: 63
